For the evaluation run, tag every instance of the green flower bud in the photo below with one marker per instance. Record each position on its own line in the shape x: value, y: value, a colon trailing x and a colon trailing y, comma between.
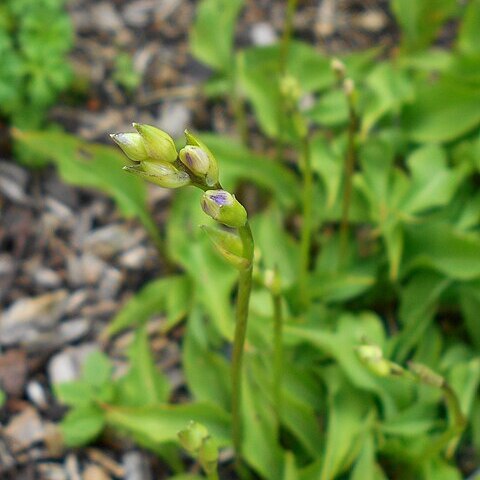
x: 291, y: 91
x: 208, y: 455
x: 426, y: 375
x: 372, y: 357
x: 195, y: 159
x: 224, y: 208
x: 211, y: 178
x: 228, y: 244
x: 192, y: 437
x: 338, y: 68
x: 272, y: 281
x: 162, y: 174
x: 132, y: 145
x: 158, y: 144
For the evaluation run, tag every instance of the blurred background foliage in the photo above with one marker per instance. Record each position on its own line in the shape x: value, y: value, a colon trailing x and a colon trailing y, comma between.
x: 408, y: 280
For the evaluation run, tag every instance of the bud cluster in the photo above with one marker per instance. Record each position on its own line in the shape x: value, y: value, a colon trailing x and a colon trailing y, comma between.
x: 153, y: 156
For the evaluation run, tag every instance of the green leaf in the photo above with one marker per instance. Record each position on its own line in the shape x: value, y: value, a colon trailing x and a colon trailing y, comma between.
x: 238, y: 163
x: 388, y: 89
x: 464, y: 378
x: 82, y: 425
x: 144, y: 384
x: 366, y: 465
x: 330, y: 110
x: 439, y: 247
x: 439, y: 469
x: 154, y: 425
x: 470, y: 305
x: 168, y: 295
x: 290, y: 471
x: 469, y: 35
x: 97, y: 369
x: 206, y: 370
x: 211, y: 39
x: 3, y: 398
x: 420, y: 20
x: 74, y: 394
x: 442, y: 112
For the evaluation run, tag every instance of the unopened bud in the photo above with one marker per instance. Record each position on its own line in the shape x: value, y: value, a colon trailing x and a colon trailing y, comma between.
x: 338, y: 68
x: 291, y: 91
x: 228, y: 244
x: 208, y: 455
x: 158, y: 144
x: 372, y: 357
x: 426, y: 375
x: 162, y: 174
x: 132, y: 145
x: 272, y: 281
x: 192, y: 437
x: 195, y: 159
x: 349, y: 87
x: 223, y: 207
x: 211, y: 178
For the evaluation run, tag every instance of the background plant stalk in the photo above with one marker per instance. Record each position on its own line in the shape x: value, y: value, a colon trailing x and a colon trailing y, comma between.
x: 277, y: 356
x: 306, y: 233
x: 241, y: 317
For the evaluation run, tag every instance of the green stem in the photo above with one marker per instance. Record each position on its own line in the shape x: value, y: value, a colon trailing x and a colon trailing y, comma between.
x: 238, y: 105
x: 282, y: 68
x: 350, y: 161
x: 277, y: 356
x: 213, y: 475
x: 243, y: 298
x: 306, y: 233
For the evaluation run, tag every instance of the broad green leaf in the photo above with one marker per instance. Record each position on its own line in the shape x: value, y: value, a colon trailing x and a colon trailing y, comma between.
x: 82, y: 425
x: 143, y: 384
x: 469, y: 35
x: 470, y: 305
x: 439, y: 247
x: 465, y: 378
x: 211, y: 39
x: 366, y: 465
x: 97, y: 369
x: 168, y: 295
x: 330, y: 110
x: 420, y: 20
x: 92, y: 166
x: 74, y: 394
x: 207, y: 371
x: 439, y: 469
x: 442, y: 112
x: 388, y: 89
x: 260, y: 446
x: 276, y: 248
x: 238, y: 163
x: 157, y: 424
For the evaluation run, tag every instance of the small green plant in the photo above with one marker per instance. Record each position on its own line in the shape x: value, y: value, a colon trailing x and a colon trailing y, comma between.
x: 35, y: 36
x: 366, y: 229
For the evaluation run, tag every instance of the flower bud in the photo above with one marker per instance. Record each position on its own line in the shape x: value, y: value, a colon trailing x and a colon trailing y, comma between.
x: 158, y: 144
x: 211, y: 178
x: 228, y: 244
x: 192, y: 437
x: 426, y: 375
x: 372, y: 357
x: 338, y: 68
x: 349, y: 87
x: 195, y: 159
x: 223, y: 207
x: 272, y: 281
x: 291, y: 91
x: 208, y: 455
x: 132, y: 145
x: 162, y: 174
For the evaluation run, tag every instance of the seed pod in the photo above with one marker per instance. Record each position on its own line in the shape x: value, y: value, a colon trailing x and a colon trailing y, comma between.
x: 372, y: 357
x: 223, y: 207
x: 426, y: 375
x: 158, y: 144
x: 195, y: 159
x: 132, y: 145
x: 211, y: 178
x: 162, y: 174
x: 228, y: 244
